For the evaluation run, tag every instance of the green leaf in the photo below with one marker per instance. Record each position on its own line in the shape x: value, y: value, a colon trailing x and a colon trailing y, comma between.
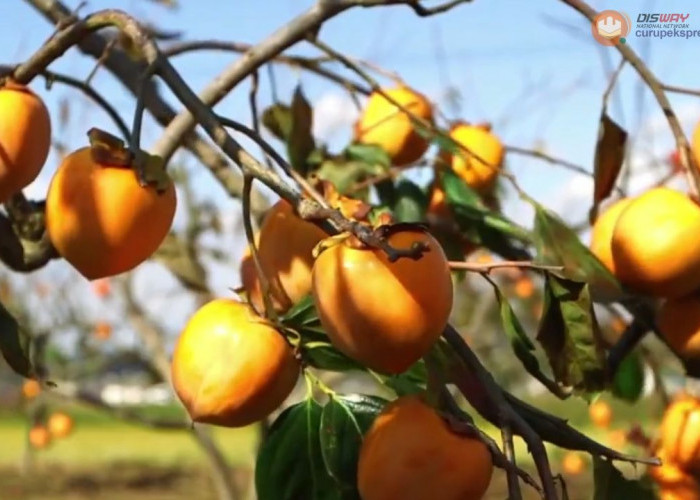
x: 344, y: 422
x: 290, y: 463
x: 15, y: 344
x: 300, y: 143
x: 521, y: 343
x: 302, y: 313
x: 609, y: 155
x: 479, y: 223
x: 368, y: 153
x: 412, y: 381
x: 411, y: 202
x: 570, y: 335
x: 628, y: 382
x: 345, y: 174
x: 558, y: 245
x: 611, y: 484
x: 278, y: 120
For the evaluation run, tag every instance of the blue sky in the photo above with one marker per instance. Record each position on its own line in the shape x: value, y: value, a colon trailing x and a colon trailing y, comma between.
x: 531, y: 68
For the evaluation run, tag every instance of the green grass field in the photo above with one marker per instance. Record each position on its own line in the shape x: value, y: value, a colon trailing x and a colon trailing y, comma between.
x: 127, y: 461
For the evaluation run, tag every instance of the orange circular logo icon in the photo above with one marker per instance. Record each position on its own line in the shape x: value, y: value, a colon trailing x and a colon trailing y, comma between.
x: 610, y: 27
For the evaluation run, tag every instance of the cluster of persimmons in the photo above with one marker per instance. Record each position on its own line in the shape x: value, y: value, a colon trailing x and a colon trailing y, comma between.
x: 44, y: 431
x: 233, y: 364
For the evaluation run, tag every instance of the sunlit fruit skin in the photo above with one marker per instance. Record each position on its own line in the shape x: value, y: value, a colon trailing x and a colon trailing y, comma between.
x: 600, y: 414
x: 31, y: 389
x: 410, y: 453
x: 695, y: 144
x: 285, y: 244
x: 479, y: 173
x: 655, y: 247
x: 60, y: 425
x: 25, y: 137
x: 385, y: 125
x: 101, y: 220
x: 384, y: 315
x: 230, y: 366
x: 674, y: 482
x: 679, y: 323
x: 680, y: 433
x: 39, y: 437
x: 602, y: 233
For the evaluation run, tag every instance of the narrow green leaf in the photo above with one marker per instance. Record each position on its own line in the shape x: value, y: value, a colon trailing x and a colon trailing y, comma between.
x: 570, y: 335
x: 521, y: 343
x: 368, y: 153
x: 290, y: 463
x: 300, y: 143
x: 15, y: 344
x: 278, y: 120
x: 344, y: 422
x: 411, y: 202
x: 412, y: 381
x: 611, y: 484
x: 628, y: 382
x: 345, y: 174
x: 558, y: 245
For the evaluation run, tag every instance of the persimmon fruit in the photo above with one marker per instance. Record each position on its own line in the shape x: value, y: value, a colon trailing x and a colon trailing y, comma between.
x: 411, y: 453
x: 39, y: 437
x: 480, y: 158
x: 600, y: 414
x: 101, y: 220
x: 285, y: 244
x: 60, y: 425
x: 602, y: 233
x: 674, y: 482
x: 386, y: 315
x: 655, y: 247
x: 573, y: 464
x: 385, y: 125
x: 679, y: 439
x: 25, y: 137
x: 231, y: 367
x: 679, y: 323
x: 31, y: 389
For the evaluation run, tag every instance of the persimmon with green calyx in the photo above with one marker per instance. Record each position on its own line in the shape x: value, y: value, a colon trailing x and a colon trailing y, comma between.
x: 25, y: 137
x: 285, y: 244
x: 385, y: 125
x: 655, y: 247
x: 386, y: 315
x: 411, y: 453
x: 101, y: 220
x: 231, y: 367
x: 479, y: 159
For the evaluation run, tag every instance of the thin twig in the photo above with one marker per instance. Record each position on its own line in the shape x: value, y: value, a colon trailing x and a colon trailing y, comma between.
x: 514, y: 492
x: 680, y: 90
x: 489, y: 266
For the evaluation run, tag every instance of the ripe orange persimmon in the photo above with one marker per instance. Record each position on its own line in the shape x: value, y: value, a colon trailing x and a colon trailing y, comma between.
x: 679, y: 439
x: 39, y: 437
x: 31, y: 389
x: 617, y: 439
x: 103, y: 330
x: 102, y: 287
x: 679, y: 323
x: 476, y: 141
x: 602, y: 233
x: 674, y: 482
x: 695, y: 144
x: 437, y: 204
x: 573, y: 464
x: 60, y: 425
x: 230, y: 366
x: 385, y: 125
x: 285, y: 244
x: 25, y: 137
x: 524, y: 287
x: 101, y: 220
x: 410, y: 453
x: 654, y: 246
x: 600, y: 413
x: 383, y: 314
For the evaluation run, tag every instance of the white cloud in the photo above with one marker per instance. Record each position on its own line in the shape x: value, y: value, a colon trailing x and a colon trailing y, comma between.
x: 334, y: 112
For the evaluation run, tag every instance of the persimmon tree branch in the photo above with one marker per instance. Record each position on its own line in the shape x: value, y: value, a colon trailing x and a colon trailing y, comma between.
x: 657, y: 88
x: 489, y: 266
x: 128, y: 72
